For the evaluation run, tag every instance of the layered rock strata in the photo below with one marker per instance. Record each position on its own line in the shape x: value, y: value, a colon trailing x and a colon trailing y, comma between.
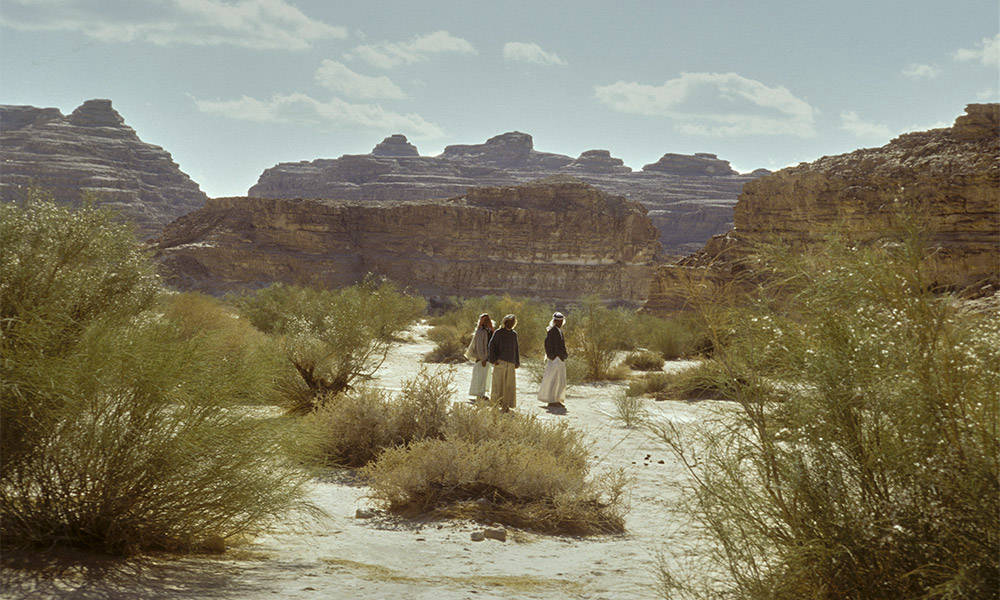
x: 92, y: 150
x: 689, y: 198
x: 556, y: 239
x: 948, y: 179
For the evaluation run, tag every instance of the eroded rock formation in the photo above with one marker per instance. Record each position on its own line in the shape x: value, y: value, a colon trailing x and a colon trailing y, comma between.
x: 689, y: 198
x: 92, y: 150
x: 947, y: 178
x: 556, y: 239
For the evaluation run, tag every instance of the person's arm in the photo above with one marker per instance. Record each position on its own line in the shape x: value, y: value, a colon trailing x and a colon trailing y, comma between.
x: 517, y: 353
x: 551, y: 350
x: 492, y: 357
x: 562, y: 347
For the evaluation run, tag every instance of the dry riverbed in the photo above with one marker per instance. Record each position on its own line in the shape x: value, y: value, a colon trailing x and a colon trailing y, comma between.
x: 382, y: 556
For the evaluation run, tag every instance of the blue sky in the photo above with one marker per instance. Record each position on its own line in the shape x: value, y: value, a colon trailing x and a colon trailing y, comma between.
x: 233, y: 87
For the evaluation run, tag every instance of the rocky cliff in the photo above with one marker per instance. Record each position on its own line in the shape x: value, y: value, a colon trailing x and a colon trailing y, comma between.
x: 92, y: 150
x: 556, y: 239
x: 689, y: 198
x: 948, y: 178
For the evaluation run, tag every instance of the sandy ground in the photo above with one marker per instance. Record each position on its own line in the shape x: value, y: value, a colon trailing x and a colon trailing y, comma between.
x: 387, y: 557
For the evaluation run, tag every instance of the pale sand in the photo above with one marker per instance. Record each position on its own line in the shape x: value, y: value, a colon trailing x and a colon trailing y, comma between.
x: 388, y: 557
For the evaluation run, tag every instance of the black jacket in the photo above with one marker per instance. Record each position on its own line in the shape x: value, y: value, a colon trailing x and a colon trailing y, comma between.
x: 503, y: 346
x: 555, y: 344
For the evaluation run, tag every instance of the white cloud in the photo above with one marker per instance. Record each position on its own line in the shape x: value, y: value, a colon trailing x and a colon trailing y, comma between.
x: 261, y: 24
x: 340, y: 78
x: 918, y: 71
x: 988, y: 95
x: 531, y: 53
x: 387, y: 55
x: 852, y: 123
x: 301, y: 109
x: 986, y: 52
x: 718, y: 104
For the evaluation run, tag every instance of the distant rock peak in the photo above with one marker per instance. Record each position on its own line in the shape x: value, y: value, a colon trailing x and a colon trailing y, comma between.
x: 699, y: 164
x: 96, y: 113
x: 395, y: 145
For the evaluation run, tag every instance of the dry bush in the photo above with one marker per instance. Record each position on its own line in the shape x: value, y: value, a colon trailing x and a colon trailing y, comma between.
x: 597, y: 335
x: 630, y: 410
x: 356, y: 426
x: 682, y: 335
x: 121, y: 430
x: 333, y: 338
x: 707, y: 380
x: 871, y: 469
x: 508, y: 468
x: 644, y: 360
x: 450, y: 344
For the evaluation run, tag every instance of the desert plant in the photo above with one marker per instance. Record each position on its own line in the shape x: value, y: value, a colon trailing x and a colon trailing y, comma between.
x: 120, y: 430
x: 333, y: 338
x: 630, y: 410
x: 532, y: 318
x: 450, y: 344
x: 508, y: 468
x: 682, y: 335
x: 598, y: 334
x: 863, y: 458
x: 355, y: 427
x: 707, y: 379
x: 644, y: 360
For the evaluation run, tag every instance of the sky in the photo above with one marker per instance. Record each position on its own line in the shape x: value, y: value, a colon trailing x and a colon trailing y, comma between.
x: 232, y: 87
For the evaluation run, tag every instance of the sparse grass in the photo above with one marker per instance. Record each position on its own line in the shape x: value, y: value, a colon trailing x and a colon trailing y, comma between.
x: 508, y: 468
x: 683, y: 335
x: 630, y: 409
x: 862, y: 459
x: 644, y: 360
x: 597, y: 335
x: 122, y: 425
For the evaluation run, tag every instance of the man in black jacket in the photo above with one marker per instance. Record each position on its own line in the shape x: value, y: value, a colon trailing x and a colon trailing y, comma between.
x: 552, y: 390
x: 505, y: 358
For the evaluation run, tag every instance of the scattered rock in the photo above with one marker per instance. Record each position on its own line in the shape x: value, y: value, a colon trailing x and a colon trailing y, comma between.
x: 496, y: 534
x: 364, y: 513
x: 477, y: 536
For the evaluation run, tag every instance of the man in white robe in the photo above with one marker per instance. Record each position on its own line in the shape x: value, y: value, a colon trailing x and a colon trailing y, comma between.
x: 552, y: 390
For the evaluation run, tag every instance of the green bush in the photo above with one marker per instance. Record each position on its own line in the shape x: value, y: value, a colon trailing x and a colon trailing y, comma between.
x: 121, y: 431
x: 333, y: 338
x: 644, y: 360
x: 707, y: 380
x: 630, y: 410
x: 355, y: 427
x: 679, y: 336
x: 508, y: 468
x: 862, y: 461
x: 451, y: 344
x: 597, y: 334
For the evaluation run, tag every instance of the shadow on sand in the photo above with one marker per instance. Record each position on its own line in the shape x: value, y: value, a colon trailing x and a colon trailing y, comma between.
x: 77, y: 574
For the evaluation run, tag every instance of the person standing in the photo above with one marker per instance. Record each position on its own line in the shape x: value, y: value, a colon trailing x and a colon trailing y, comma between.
x: 479, y: 353
x: 552, y: 390
x: 504, y: 355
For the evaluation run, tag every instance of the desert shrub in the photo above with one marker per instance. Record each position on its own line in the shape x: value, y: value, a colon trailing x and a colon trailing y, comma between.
x: 246, y: 354
x: 630, y: 410
x: 508, y: 468
x: 678, y: 336
x: 862, y: 458
x: 532, y: 318
x: 120, y: 430
x: 355, y: 427
x: 576, y: 370
x: 450, y: 344
x: 705, y: 380
x: 333, y: 338
x: 597, y: 334
x: 644, y: 360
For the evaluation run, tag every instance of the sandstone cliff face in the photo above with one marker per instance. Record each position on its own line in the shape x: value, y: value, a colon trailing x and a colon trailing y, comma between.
x: 690, y: 198
x: 949, y: 178
x: 556, y: 239
x: 92, y: 150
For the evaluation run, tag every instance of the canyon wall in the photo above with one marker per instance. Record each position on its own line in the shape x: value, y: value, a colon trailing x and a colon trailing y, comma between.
x: 689, y: 198
x: 556, y: 239
x: 92, y: 150
x: 948, y: 179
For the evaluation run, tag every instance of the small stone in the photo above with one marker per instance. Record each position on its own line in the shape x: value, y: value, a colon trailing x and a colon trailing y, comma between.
x: 660, y: 462
x: 364, y: 513
x: 421, y: 539
x: 477, y: 536
x: 496, y: 534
